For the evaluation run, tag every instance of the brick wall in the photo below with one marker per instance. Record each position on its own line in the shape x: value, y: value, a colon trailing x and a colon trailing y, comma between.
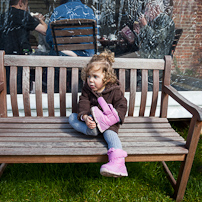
x: 187, y: 14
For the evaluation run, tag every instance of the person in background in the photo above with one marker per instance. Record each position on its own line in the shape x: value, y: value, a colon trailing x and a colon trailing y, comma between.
x: 70, y: 9
x: 102, y: 108
x: 155, y: 32
x: 15, y: 27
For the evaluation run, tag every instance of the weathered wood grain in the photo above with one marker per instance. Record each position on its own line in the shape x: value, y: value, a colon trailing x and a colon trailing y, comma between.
x: 80, y: 62
x: 50, y: 90
x: 38, y: 81
x: 26, y: 90
x: 13, y: 90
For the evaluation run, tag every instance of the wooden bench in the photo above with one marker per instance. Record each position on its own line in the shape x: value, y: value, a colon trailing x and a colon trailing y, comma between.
x: 50, y: 139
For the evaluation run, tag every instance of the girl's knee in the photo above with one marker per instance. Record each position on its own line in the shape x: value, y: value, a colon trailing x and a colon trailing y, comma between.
x: 72, y: 118
x: 92, y: 132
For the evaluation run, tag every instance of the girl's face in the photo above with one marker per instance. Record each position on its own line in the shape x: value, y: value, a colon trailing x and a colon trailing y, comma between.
x: 95, y: 79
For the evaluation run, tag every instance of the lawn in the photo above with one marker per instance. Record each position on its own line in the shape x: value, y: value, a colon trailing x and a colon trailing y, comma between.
x: 82, y: 182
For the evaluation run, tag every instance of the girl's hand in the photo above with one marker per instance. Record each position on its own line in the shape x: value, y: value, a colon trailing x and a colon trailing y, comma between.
x: 89, y: 121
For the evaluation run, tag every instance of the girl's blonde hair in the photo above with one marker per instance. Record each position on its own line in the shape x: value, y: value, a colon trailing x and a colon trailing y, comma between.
x: 104, y: 61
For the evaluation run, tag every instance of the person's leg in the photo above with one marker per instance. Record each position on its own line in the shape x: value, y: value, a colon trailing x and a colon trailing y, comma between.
x: 92, y: 132
x: 112, y: 139
x: 81, y: 126
x: 116, y: 165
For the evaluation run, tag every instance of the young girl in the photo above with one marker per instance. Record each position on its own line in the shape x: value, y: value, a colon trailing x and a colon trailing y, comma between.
x: 102, y: 108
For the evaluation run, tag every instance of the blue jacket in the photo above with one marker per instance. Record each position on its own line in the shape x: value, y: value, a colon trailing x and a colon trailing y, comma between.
x: 73, y: 9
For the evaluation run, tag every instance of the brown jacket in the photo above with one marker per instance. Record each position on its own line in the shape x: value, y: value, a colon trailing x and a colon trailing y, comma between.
x: 112, y: 95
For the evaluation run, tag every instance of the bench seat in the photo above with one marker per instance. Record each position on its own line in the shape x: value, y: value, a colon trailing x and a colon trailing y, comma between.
x: 38, y: 140
x: 48, y: 138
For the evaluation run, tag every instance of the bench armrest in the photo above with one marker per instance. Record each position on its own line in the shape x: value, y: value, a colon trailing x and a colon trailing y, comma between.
x: 1, y: 86
x: 189, y: 106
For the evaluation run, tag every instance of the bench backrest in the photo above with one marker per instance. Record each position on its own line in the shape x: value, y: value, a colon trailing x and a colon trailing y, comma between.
x: 127, y: 69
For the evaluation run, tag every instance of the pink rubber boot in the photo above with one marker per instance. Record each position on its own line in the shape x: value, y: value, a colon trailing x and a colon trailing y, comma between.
x: 116, y: 165
x: 104, y: 119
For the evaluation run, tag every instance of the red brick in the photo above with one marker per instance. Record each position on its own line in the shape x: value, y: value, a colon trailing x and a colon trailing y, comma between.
x: 188, y: 16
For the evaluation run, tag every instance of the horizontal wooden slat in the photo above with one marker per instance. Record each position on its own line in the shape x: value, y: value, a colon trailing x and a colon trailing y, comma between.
x: 86, y: 144
x: 92, y: 151
x: 35, y: 126
x: 73, y: 21
x: 77, y: 32
x: 74, y: 40
x: 59, y: 125
x: 72, y: 132
x: 145, y: 130
x: 34, y: 120
x: 57, y: 61
x: 86, y: 158
x: 66, y: 130
x: 74, y: 139
x: 145, y: 125
x: 77, y: 47
x: 65, y: 120
x: 145, y: 120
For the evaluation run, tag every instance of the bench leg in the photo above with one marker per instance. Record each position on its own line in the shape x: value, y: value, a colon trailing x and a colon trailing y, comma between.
x: 169, y: 175
x: 186, y: 165
x: 2, y: 168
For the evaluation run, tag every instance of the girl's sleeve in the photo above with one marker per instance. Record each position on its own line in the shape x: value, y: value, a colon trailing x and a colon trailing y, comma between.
x: 84, y: 104
x: 120, y: 104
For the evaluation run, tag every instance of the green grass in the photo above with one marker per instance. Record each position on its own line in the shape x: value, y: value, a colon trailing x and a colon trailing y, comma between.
x: 82, y: 182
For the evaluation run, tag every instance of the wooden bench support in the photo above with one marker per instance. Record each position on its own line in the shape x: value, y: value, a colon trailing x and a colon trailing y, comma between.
x: 186, y: 165
x: 169, y: 175
x: 1, y: 86
x: 25, y: 138
x: 2, y: 168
